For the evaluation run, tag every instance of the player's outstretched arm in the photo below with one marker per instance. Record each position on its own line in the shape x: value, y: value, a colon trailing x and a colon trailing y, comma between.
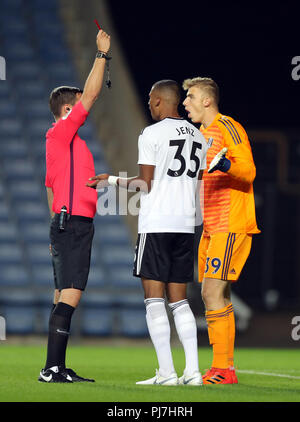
x: 239, y: 154
x: 142, y: 182
x: 240, y: 166
x: 94, y: 81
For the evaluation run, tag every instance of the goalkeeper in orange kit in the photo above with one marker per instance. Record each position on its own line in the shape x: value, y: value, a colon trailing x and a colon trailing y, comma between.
x: 228, y: 219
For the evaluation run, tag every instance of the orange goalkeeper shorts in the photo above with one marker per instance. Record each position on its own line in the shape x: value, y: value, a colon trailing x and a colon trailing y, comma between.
x: 223, y: 255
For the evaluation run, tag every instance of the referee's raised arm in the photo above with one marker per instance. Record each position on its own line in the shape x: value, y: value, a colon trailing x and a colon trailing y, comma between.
x: 94, y: 81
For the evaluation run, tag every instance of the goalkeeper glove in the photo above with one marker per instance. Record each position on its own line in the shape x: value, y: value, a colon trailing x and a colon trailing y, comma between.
x: 220, y: 162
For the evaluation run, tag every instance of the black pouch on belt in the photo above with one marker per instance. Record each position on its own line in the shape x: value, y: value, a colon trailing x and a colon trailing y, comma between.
x: 62, y: 218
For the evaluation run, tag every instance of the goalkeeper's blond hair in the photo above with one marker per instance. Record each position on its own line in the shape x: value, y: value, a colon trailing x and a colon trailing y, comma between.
x: 206, y: 84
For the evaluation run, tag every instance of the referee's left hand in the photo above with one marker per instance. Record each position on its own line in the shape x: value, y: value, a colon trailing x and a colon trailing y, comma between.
x: 100, y: 181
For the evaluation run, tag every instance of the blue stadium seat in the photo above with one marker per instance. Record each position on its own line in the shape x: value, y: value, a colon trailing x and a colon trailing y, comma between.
x: 34, y: 232
x: 26, y: 71
x: 39, y: 127
x: 101, y: 220
x: 61, y: 70
x: 35, y: 108
x: 12, y: 5
x: 95, y: 148
x: 40, y: 171
x: 10, y: 253
x: 133, y: 323
x: 7, y: 108
x: 4, y: 211
x: 43, y: 274
x: 8, y: 232
x: 117, y: 255
x: 18, y: 296
x: 97, y: 276
x: 38, y: 149
x: 19, y: 36
x: 97, y: 322
x: 13, y: 275
x: 52, y: 28
x: 1, y: 190
x: 10, y: 20
x: 29, y: 190
x: 32, y: 90
x: 113, y: 234
x: 49, y: 5
x: 133, y: 300
x: 17, y: 307
x: 96, y: 254
x: 20, y: 169
x: 100, y: 166
x: 13, y: 148
x: 19, y: 319
x: 14, y: 29
x: 121, y: 277
x: 132, y: 320
x: 31, y: 211
x: 38, y: 253
x: 44, y: 13
x: 5, y: 90
x: 11, y: 127
x: 97, y: 314
x: 18, y: 51
x: 50, y: 53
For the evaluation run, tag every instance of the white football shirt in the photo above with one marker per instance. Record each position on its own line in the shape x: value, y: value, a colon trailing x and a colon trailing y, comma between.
x: 177, y: 149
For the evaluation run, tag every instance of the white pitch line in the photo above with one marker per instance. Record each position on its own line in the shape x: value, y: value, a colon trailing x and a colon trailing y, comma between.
x: 242, y: 371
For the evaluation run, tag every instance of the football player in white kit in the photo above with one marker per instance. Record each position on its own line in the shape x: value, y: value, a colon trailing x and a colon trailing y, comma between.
x: 172, y: 157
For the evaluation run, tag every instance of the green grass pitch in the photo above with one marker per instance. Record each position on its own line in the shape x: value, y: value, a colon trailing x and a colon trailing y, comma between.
x: 116, y: 369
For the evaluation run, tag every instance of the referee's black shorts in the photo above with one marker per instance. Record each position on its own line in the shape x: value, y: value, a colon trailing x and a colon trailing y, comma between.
x: 167, y: 257
x: 71, y: 251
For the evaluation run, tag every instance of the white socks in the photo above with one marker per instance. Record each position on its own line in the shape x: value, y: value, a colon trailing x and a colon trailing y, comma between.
x: 187, y: 332
x: 159, y: 330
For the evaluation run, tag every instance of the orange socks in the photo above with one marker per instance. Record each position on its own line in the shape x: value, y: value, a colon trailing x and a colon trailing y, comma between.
x: 221, y: 333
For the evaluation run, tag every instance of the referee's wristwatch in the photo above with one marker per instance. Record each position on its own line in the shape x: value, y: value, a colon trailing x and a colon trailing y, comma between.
x: 101, y: 54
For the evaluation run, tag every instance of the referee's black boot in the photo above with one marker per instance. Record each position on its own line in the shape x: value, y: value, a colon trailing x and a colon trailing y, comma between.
x: 75, y: 378
x: 54, y: 374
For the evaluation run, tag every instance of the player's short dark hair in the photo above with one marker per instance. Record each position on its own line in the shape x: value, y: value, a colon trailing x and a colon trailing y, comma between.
x: 171, y: 86
x: 62, y: 95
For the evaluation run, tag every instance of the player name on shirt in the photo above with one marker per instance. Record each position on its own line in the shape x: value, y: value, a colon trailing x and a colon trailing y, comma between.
x: 185, y: 130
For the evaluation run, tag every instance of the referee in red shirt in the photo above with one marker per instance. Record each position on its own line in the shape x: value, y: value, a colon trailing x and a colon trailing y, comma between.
x: 69, y: 163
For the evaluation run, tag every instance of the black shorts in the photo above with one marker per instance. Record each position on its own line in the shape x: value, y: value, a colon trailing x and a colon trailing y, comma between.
x: 167, y: 257
x: 71, y: 252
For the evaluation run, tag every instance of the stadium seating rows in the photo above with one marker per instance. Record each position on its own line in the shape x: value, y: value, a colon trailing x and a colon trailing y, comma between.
x: 31, y: 40
x: 99, y: 315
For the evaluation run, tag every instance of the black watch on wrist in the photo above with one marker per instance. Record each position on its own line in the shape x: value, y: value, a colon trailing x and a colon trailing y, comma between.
x: 101, y: 54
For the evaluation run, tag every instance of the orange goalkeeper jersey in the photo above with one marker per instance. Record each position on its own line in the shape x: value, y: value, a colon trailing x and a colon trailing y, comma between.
x: 228, y: 202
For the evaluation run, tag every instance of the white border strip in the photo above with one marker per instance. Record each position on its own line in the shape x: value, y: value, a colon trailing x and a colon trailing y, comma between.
x: 267, y: 374
x: 141, y: 252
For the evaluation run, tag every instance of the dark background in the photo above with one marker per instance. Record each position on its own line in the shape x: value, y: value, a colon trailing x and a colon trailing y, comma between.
x: 247, y: 48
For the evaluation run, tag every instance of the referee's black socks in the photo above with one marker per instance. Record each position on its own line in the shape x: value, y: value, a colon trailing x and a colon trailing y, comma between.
x: 59, y: 327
